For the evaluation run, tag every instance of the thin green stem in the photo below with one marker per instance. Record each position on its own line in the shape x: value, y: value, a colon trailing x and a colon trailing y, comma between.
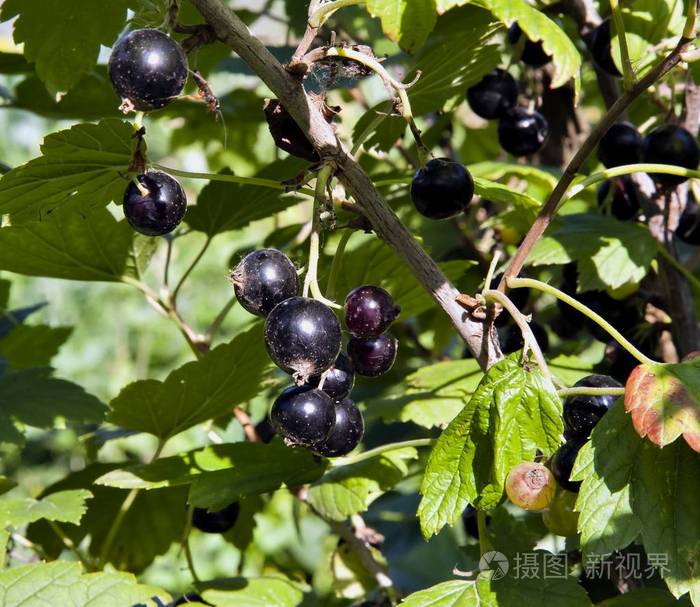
x: 116, y: 527
x: 381, y: 116
x: 689, y: 28
x: 485, y: 544
x: 190, y: 269
x: 168, y: 259
x: 190, y: 561
x: 584, y: 391
x: 492, y: 270
x: 515, y: 283
x: 70, y: 544
x: 337, y: 263
x: 254, y: 181
x: 365, y: 455
x: 219, y: 320
x: 324, y: 12
x: 679, y: 267
x: 627, y: 71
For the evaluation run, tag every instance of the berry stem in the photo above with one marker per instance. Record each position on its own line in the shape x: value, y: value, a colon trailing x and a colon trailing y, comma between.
x: 325, y: 11
x: 69, y: 544
x: 254, y: 181
x: 365, y: 455
x: 584, y: 391
x: 530, y: 341
x: 219, y: 320
x: 515, y: 283
x: 485, y: 544
x: 628, y: 77
x: 189, y: 270
x: 337, y: 263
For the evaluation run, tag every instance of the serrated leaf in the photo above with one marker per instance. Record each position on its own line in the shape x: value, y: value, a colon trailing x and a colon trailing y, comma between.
x: 565, y: 57
x: 455, y: 56
x: 645, y: 597
x: 492, y: 190
x: 83, y: 166
x: 227, y: 376
x: 407, y: 22
x: 455, y: 593
x: 223, y: 206
x: 33, y: 345
x: 609, y: 253
x: 64, y: 507
x: 221, y: 473
x: 348, y: 490
x: 63, y: 37
x: 433, y: 395
x: 606, y: 520
x: 513, y: 413
x: 256, y: 592
x: 64, y: 584
x: 541, y: 589
x: 664, y: 401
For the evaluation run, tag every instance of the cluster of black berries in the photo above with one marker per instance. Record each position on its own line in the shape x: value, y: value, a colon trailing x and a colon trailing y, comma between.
x: 581, y: 414
x: 148, y: 70
x: 303, y: 338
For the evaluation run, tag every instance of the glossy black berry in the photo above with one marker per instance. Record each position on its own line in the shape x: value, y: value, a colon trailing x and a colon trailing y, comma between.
x: 442, y: 189
x: 264, y: 430
x: 469, y: 522
x: 671, y: 144
x: 599, y: 42
x: 157, y: 207
x: 148, y: 69
x: 522, y: 132
x: 369, y: 310
x: 533, y: 53
x: 496, y: 93
x: 582, y: 413
x: 216, y: 522
x: 689, y: 224
x: 621, y: 144
x: 373, y: 356
x: 563, y: 463
x: 514, y: 338
x: 263, y: 279
x: 347, y: 432
x: 302, y: 337
x: 303, y: 416
x: 624, y: 198
x: 338, y: 380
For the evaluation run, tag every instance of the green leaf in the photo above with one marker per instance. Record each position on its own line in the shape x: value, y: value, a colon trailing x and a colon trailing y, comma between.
x: 609, y: 253
x: 64, y: 507
x: 155, y: 520
x: 407, y: 22
x: 33, y: 345
x: 256, y: 592
x: 84, y: 165
x: 222, y: 473
x: 565, y: 58
x: 227, y: 376
x: 645, y: 597
x: 491, y: 190
x: 6, y: 484
x: 64, y: 584
x: 606, y: 520
x: 516, y: 590
x: 432, y: 396
x: 455, y: 593
x: 223, y: 206
x: 513, y: 413
x: 348, y: 490
x: 456, y: 56
x: 379, y: 128
x: 63, y: 37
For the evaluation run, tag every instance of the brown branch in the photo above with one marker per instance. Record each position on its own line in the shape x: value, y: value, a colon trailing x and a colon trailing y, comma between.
x: 233, y: 32
x: 295, y: 64
x: 619, y: 107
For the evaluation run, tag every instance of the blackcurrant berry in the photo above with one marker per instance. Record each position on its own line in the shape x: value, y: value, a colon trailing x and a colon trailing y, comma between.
x: 373, y: 356
x: 264, y: 430
x: 347, y: 432
x: 303, y: 416
x: 533, y: 53
x: 442, y: 189
x: 496, y: 93
x: 338, y: 380
x: 625, y: 203
x: 621, y: 144
x: 369, y: 310
x: 216, y: 522
x: 563, y: 463
x: 599, y: 42
x: 689, y: 224
x: 522, y: 132
x: 263, y: 279
x: 157, y: 206
x: 671, y: 144
x: 302, y: 337
x: 469, y: 522
x: 514, y: 338
x: 148, y: 69
x: 582, y: 413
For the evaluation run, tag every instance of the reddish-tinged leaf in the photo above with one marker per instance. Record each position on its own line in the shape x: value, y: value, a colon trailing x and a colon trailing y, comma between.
x: 664, y: 403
